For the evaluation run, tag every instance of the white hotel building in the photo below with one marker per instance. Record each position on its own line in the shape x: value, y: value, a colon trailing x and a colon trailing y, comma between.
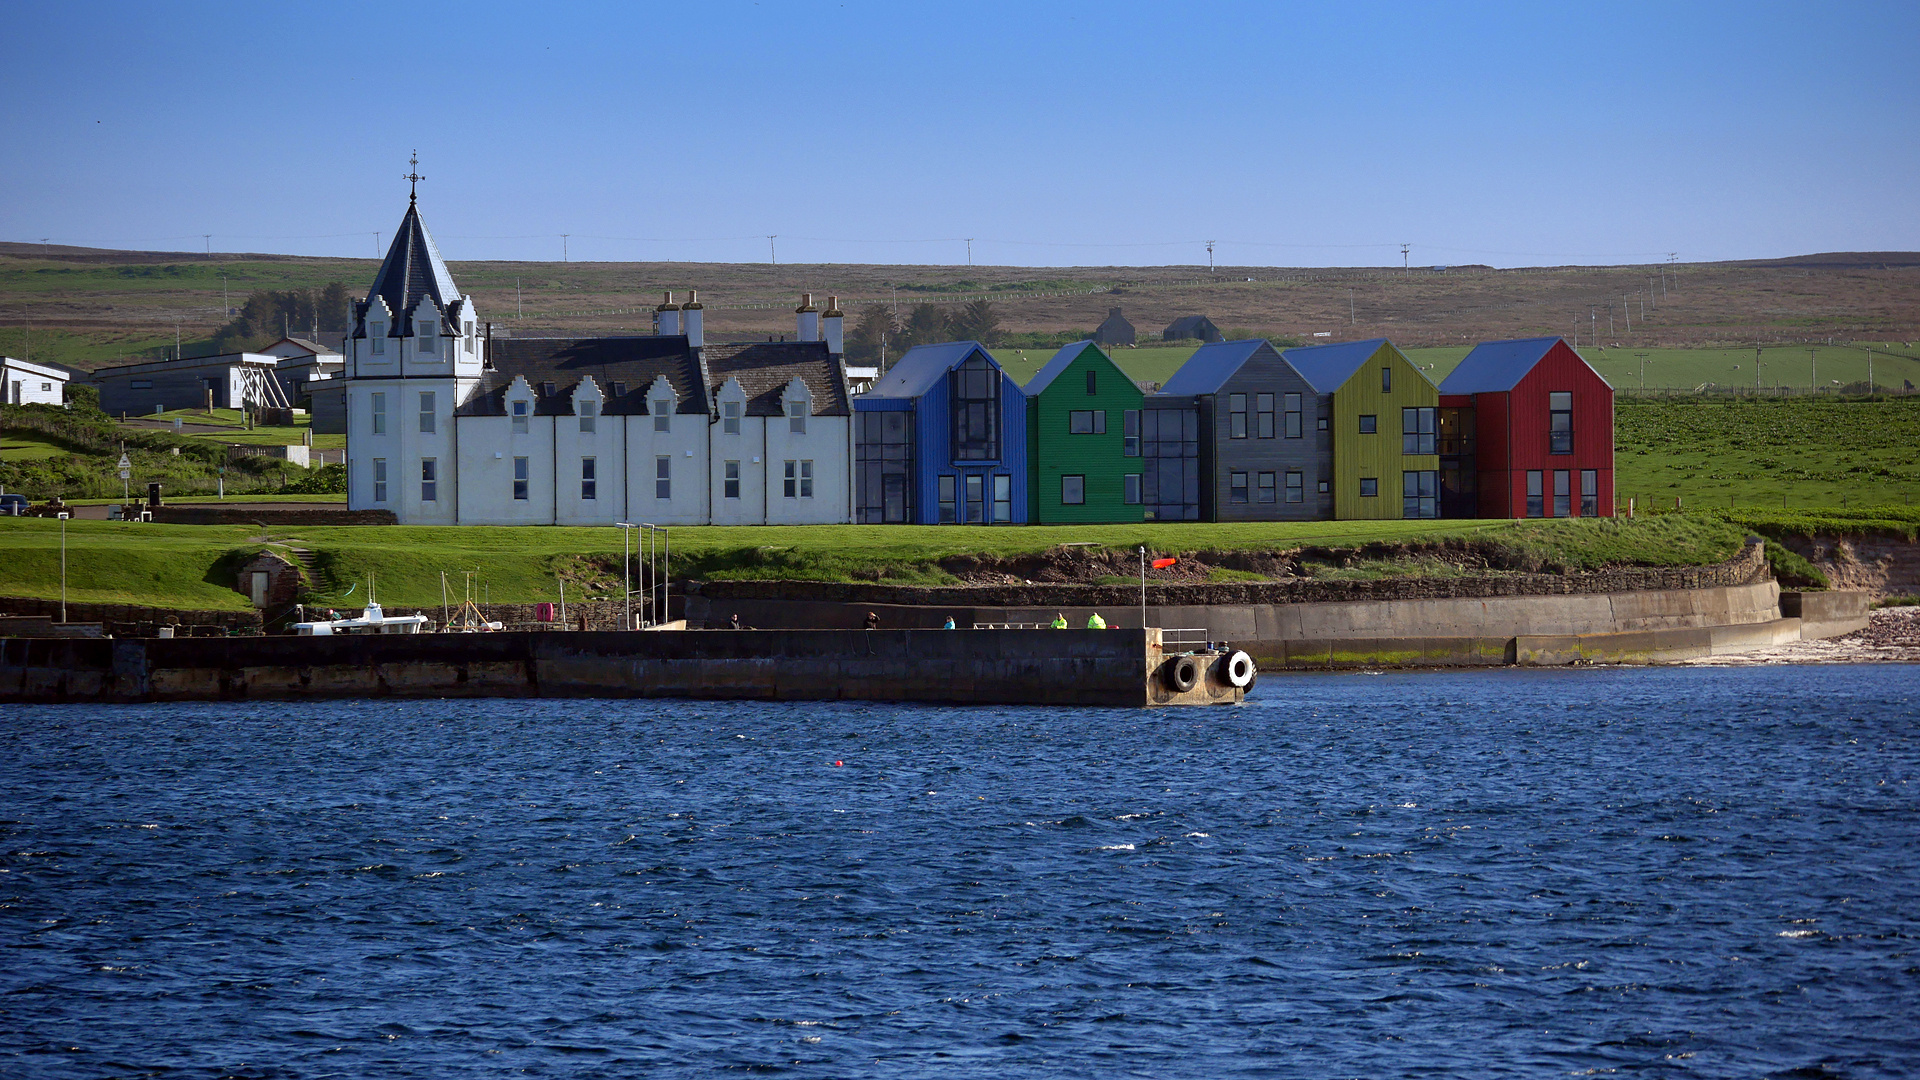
x: 449, y: 425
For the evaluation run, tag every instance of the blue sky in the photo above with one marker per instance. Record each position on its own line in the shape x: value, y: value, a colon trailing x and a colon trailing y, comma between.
x: 1063, y: 134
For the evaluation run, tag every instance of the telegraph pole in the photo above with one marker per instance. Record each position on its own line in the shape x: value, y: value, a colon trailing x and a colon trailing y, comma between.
x: 969, y: 251
x: 1406, y: 259
x: 1643, y: 369
x: 772, y: 257
x: 1209, y: 256
x: 563, y: 247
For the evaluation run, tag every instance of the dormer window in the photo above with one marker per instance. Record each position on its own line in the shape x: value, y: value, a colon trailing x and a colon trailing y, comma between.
x: 519, y: 412
x: 546, y: 389
x: 618, y: 389
x: 588, y: 411
x: 662, y: 414
x: 429, y: 344
x: 797, y: 417
x: 377, y: 334
x: 730, y: 417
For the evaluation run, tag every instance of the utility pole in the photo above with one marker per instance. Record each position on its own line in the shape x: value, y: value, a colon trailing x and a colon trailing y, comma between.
x: 969, y: 251
x: 772, y: 256
x: 563, y: 247
x: 376, y: 243
x: 208, y: 237
x: 46, y: 245
x: 1406, y: 259
x: 1209, y: 256
x: 1352, y: 318
x: 1813, y: 360
x: 1610, y: 318
x: 1756, y: 369
x: 1643, y: 369
x: 223, y: 294
x: 1593, y: 326
x: 1869, y: 369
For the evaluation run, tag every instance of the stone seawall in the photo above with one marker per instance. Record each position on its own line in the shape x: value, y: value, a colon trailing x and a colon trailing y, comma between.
x: 1075, y: 667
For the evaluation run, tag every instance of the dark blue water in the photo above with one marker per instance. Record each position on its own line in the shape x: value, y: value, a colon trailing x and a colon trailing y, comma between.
x: 1672, y: 872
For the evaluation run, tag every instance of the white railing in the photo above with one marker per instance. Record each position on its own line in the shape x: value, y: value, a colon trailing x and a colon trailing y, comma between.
x: 1188, y: 636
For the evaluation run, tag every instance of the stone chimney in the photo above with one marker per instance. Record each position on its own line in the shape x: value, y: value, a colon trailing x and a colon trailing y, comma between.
x: 806, y: 319
x: 667, y: 316
x: 834, y: 323
x: 690, y: 313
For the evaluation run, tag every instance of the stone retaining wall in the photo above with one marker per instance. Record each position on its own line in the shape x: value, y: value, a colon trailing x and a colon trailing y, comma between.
x: 134, y: 620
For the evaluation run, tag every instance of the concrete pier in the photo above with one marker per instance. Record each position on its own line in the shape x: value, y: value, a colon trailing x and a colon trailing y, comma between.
x: 1011, y: 667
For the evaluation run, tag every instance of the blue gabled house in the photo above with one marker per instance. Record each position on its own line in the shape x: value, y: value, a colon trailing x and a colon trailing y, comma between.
x: 941, y: 439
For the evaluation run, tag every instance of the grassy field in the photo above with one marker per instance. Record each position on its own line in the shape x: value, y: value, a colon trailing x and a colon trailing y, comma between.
x: 1768, y: 453
x: 233, y: 423
x: 26, y: 446
x: 193, y: 566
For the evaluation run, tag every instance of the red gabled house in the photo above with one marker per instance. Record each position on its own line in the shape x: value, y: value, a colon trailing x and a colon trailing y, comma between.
x: 1526, y: 430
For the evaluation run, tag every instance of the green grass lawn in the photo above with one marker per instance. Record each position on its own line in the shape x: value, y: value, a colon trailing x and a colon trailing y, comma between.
x: 1768, y: 453
x: 233, y: 423
x: 194, y: 566
x: 26, y: 446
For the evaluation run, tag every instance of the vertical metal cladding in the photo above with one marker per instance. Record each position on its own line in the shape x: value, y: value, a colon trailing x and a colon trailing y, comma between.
x: 1078, y: 408
x: 1377, y: 456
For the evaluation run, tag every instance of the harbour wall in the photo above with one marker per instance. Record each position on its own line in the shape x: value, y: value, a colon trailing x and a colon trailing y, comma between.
x: 1037, y: 667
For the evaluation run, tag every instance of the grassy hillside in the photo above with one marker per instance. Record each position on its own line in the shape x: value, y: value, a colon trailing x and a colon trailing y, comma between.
x: 1768, y: 453
x: 193, y: 566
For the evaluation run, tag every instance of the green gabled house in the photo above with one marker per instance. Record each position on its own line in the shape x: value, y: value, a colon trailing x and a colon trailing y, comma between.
x: 1382, y: 411
x: 1083, y: 440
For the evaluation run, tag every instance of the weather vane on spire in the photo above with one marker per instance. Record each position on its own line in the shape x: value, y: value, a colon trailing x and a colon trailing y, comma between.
x: 413, y: 177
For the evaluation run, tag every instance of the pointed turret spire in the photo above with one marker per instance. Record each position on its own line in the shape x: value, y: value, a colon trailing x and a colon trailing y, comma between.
x: 413, y: 268
x: 413, y: 177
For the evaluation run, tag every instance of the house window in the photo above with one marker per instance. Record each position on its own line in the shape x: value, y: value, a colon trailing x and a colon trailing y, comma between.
x: 1369, y: 487
x: 428, y: 343
x: 1002, y: 497
x: 426, y: 412
x: 1292, y: 414
x: 662, y: 413
x: 1296, y: 489
x: 1326, y: 486
x: 799, y: 480
x: 730, y: 418
x: 1589, y: 492
x: 1369, y: 424
x: 520, y: 475
x: 589, y: 484
x: 617, y: 389
x: 379, y: 407
x: 1560, y: 423
x: 797, y: 417
x: 1386, y: 380
x: 429, y: 481
x: 1320, y: 423
x: 1132, y: 494
x: 948, y: 490
x: 141, y: 384
x: 1419, y: 494
x: 663, y: 477
x: 732, y: 480
x: 975, y: 393
x: 882, y: 467
x: 976, y: 499
x: 1073, y: 490
x: 1263, y: 415
x: 1416, y: 431
x: 1087, y: 422
x: 1562, y: 493
x: 1264, y: 490
x: 1236, y: 416
x: 379, y: 479
x: 1536, y: 500
x: 1237, y: 487
x: 589, y: 413
x: 519, y: 413
x: 378, y: 336
x: 1091, y: 384
x: 1130, y: 433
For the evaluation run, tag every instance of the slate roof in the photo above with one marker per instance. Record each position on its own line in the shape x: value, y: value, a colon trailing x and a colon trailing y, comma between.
x: 915, y: 373
x: 764, y: 368
x: 1496, y: 366
x: 1210, y: 366
x: 1328, y: 367
x: 633, y: 361
x: 309, y: 345
x: 1060, y: 362
x: 413, y: 268
x: 1191, y: 326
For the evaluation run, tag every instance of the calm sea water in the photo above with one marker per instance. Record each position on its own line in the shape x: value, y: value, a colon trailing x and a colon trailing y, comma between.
x: 1662, y: 872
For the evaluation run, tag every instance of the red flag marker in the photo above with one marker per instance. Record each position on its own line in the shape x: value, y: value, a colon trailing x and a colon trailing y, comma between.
x: 1162, y: 564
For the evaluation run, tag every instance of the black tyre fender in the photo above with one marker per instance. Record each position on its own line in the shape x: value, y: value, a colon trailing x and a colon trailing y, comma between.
x: 1182, y: 673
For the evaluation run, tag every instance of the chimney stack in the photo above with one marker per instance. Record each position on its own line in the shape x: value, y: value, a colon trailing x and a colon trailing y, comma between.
x: 690, y: 313
x: 807, y: 319
x: 666, y: 317
x: 833, y: 322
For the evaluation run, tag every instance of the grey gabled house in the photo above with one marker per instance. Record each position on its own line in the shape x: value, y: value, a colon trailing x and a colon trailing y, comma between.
x: 1268, y: 455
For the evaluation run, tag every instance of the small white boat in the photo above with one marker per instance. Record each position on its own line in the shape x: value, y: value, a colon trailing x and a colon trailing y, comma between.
x: 372, y: 621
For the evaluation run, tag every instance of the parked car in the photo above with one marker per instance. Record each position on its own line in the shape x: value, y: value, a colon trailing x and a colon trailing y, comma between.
x: 15, y: 505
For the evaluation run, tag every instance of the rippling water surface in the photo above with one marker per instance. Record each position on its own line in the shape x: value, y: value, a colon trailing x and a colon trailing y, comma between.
x: 1673, y: 872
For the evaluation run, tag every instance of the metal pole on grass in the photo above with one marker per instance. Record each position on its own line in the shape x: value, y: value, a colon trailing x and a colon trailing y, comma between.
x: 63, y: 566
x: 1143, y: 586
